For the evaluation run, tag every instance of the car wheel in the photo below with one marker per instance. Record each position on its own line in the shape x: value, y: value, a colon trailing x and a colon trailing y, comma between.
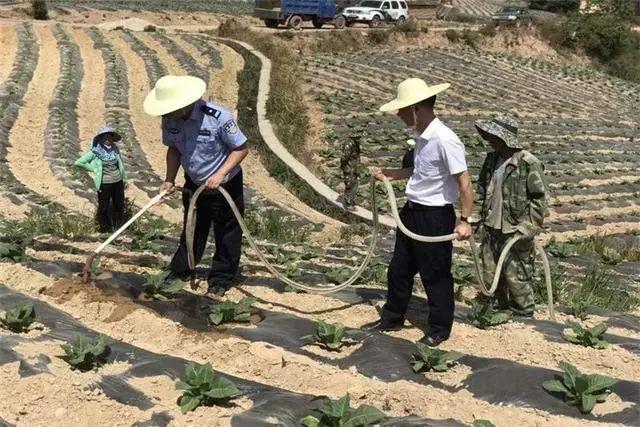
x: 375, y: 22
x: 271, y: 23
x: 401, y: 20
x: 340, y: 22
x: 295, y: 22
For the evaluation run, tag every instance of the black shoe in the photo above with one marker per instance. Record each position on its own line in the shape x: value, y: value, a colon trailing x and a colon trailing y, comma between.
x: 172, y: 276
x: 217, y: 291
x: 382, y: 326
x: 432, y: 341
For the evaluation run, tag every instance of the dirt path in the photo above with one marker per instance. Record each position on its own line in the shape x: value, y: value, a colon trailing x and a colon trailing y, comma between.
x: 603, y: 211
x: 25, y: 154
x: 9, y: 43
x: 121, y: 319
x: 613, y: 228
x: 91, y: 108
x: 10, y: 210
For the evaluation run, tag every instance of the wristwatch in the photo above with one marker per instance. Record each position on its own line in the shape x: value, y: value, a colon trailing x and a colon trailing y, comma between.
x: 464, y: 219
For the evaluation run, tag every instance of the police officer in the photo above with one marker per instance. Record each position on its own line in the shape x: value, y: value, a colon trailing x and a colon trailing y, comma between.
x: 513, y: 194
x: 205, y: 140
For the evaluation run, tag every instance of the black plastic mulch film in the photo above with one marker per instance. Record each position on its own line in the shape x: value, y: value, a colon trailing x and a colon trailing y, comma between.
x: 268, y: 402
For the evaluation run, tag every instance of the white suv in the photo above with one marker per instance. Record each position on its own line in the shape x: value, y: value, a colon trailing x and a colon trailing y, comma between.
x: 374, y: 12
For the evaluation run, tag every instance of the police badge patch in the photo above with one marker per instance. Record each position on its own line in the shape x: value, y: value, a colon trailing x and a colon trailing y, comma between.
x: 230, y: 127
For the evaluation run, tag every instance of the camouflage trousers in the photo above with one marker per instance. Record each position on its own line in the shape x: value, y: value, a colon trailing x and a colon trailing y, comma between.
x: 350, y: 177
x: 515, y: 288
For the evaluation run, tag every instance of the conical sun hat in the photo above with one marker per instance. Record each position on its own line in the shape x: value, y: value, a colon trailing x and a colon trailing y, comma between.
x: 412, y: 91
x: 172, y: 93
x: 505, y: 128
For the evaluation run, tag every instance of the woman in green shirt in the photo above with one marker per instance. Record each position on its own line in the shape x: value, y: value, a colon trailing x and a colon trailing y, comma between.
x: 104, y: 163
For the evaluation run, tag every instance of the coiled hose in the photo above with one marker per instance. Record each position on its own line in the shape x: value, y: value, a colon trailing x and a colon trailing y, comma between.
x: 327, y: 289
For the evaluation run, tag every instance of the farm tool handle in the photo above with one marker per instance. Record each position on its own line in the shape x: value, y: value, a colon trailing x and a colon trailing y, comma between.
x: 86, y: 272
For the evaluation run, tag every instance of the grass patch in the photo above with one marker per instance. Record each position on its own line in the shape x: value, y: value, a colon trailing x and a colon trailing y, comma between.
x: 597, y: 289
x: 275, y: 227
x: 47, y: 221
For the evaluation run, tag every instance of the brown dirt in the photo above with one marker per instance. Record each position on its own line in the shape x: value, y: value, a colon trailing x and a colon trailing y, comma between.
x: 9, y: 43
x: 26, y: 152
x: 612, y: 228
x: 170, y: 18
x: 602, y: 211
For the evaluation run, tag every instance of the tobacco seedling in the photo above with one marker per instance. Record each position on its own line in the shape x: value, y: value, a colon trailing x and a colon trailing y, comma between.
x: 332, y: 336
x: 19, y: 318
x: 579, y: 389
x: 435, y: 359
x: 204, y: 387
x: 339, y: 275
x: 229, y: 311
x: 11, y: 251
x: 84, y: 354
x: 483, y: 315
x: 591, y: 337
x: 156, y: 288
x: 340, y: 414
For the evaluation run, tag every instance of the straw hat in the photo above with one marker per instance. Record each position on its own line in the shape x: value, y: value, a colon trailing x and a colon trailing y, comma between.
x: 106, y: 129
x: 505, y: 128
x: 412, y: 91
x: 172, y: 93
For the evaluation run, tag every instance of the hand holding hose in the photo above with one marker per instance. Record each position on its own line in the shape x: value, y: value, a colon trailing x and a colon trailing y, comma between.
x: 167, y: 188
x: 463, y: 230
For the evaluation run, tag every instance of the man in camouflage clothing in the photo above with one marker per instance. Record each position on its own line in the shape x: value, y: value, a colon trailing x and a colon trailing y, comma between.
x: 350, y: 164
x: 513, y: 195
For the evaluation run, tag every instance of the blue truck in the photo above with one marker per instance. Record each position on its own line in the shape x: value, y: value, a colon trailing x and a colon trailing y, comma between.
x: 292, y: 13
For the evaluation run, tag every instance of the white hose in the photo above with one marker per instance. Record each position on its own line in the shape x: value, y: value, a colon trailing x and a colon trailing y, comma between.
x: 327, y: 289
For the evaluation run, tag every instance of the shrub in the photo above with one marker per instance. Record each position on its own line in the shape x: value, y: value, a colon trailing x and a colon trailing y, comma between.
x: 470, y: 38
x: 205, y: 387
x: 452, y: 35
x: 409, y: 28
x: 379, y: 36
x: 579, y: 389
x: 555, y: 5
x: 332, y: 336
x: 84, y: 354
x: 435, y: 359
x: 150, y: 29
x: 488, y: 30
x: 591, y: 337
x: 19, y: 318
x: 339, y: 413
x: 40, y: 9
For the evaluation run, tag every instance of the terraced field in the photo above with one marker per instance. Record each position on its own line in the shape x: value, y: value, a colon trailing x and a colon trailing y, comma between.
x: 58, y: 83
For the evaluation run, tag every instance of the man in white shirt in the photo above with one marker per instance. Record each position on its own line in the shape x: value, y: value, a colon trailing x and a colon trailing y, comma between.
x: 438, y: 177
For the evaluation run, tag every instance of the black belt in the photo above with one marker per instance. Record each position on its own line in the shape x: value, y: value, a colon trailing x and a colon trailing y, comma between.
x: 419, y: 207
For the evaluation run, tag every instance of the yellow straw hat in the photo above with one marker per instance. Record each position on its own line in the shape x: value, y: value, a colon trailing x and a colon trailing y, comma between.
x: 172, y: 93
x: 412, y: 91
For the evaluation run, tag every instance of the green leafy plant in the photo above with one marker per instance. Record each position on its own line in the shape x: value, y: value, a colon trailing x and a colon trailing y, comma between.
x: 229, y: 311
x: 11, y: 251
x: 580, y: 389
x: 559, y: 250
x: 19, y: 318
x: 204, y: 387
x: 435, y: 359
x: 332, y: 336
x: 156, y: 287
x: 339, y: 275
x: 611, y: 256
x: 483, y: 315
x: 340, y: 414
x: 483, y: 423
x: 84, y: 354
x: 591, y: 337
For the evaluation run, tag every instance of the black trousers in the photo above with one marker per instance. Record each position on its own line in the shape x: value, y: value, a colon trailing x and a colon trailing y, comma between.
x: 213, y: 210
x: 110, y: 206
x: 431, y: 260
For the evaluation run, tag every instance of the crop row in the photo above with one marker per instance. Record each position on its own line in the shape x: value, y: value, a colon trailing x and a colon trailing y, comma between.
x: 61, y: 138
x: 231, y: 7
x: 155, y: 68
x: 116, y: 100
x: 205, y: 49
x: 12, y: 93
x: 186, y: 61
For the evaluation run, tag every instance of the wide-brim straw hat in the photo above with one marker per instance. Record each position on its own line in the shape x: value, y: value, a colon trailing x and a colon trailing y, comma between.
x: 412, y: 91
x: 172, y: 93
x: 106, y: 129
x: 505, y: 128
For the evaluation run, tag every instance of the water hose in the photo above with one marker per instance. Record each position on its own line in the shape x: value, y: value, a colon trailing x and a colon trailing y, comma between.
x: 327, y: 289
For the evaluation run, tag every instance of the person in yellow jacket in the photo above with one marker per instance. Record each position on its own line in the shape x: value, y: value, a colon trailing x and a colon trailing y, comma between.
x: 104, y: 163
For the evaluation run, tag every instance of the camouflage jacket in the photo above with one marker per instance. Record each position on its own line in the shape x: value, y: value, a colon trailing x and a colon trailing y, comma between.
x: 524, y: 190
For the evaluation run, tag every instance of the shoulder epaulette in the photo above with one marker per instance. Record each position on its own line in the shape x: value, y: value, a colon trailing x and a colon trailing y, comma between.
x: 210, y: 111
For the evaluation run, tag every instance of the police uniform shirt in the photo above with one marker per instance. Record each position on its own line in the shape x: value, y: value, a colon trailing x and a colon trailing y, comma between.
x: 439, y: 155
x: 204, y: 140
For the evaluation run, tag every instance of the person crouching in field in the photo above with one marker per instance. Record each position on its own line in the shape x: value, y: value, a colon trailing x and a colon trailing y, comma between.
x: 439, y: 175
x: 104, y: 163
x: 513, y: 194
